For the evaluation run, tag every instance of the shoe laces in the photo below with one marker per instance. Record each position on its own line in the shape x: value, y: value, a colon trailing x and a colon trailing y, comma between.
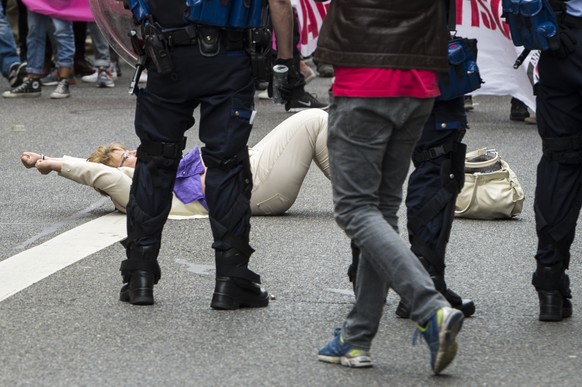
x: 25, y: 83
x: 62, y: 87
x: 309, y: 97
x: 433, y: 324
x: 417, y: 335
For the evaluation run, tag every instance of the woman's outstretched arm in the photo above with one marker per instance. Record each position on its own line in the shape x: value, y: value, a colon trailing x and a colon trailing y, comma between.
x: 44, y: 164
x: 113, y: 182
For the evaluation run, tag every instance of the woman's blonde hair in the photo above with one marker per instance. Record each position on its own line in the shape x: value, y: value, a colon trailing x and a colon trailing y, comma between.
x: 103, y: 153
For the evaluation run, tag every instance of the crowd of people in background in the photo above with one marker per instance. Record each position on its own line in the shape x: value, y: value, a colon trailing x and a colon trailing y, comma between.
x: 39, y: 50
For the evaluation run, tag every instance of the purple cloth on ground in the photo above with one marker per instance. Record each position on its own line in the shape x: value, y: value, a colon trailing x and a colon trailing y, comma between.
x: 188, y: 187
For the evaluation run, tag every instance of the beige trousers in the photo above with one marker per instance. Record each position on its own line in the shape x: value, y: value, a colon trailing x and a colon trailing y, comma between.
x: 280, y: 161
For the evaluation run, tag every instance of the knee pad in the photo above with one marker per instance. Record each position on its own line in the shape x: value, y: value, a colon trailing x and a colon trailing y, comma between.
x: 240, y: 159
x: 161, y: 156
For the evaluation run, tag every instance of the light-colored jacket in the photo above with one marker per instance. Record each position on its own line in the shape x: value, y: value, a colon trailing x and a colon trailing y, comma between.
x: 116, y: 183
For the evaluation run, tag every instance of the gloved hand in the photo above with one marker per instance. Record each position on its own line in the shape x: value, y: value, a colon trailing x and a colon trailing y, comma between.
x: 567, y: 42
x: 295, y: 80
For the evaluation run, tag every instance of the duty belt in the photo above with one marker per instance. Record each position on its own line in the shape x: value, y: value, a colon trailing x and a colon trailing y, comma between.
x: 188, y: 36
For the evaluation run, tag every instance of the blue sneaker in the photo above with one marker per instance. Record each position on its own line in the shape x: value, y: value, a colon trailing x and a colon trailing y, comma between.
x: 338, y: 352
x: 440, y: 333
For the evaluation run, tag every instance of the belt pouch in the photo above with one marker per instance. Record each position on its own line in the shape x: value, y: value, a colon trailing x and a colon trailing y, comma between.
x: 208, y: 41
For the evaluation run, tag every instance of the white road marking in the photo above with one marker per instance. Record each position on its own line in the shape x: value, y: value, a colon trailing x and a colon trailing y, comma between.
x: 24, y: 269
x: 55, y: 227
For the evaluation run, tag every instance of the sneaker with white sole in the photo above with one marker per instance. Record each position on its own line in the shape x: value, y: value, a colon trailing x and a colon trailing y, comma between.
x: 93, y: 77
x: 30, y: 87
x: 105, y: 78
x: 304, y: 101
x: 440, y: 333
x: 339, y: 352
x: 62, y: 90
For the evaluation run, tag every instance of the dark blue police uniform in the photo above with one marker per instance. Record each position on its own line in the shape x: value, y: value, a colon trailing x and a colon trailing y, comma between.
x: 558, y: 194
x: 210, y: 68
x: 433, y: 186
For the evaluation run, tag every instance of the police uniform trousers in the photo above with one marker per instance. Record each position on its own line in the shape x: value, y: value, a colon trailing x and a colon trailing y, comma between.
x: 223, y: 87
x: 558, y: 195
x: 434, y: 183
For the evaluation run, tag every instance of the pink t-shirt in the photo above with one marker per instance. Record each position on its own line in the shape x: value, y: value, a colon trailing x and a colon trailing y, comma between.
x: 365, y: 82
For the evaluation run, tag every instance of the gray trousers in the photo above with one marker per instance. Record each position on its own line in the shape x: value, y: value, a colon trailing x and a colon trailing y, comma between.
x: 370, y: 145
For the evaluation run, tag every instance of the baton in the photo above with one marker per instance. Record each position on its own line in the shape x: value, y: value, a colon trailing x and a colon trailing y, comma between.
x: 521, y: 58
x: 141, y: 59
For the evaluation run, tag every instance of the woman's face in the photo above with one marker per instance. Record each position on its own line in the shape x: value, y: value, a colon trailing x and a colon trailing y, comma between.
x: 124, y: 158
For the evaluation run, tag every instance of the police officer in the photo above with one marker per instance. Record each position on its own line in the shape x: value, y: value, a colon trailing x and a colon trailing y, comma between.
x: 433, y: 186
x: 197, y: 57
x: 558, y: 197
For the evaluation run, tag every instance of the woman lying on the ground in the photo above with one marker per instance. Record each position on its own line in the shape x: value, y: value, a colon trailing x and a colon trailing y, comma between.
x: 279, y: 164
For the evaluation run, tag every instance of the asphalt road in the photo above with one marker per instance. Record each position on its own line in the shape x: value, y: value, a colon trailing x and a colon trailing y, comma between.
x: 69, y: 329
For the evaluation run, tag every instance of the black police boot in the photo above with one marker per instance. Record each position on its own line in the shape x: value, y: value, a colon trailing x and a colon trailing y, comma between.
x: 553, y: 287
x: 140, y: 272
x: 236, y: 285
x: 518, y: 110
x: 139, y: 290
x: 464, y: 305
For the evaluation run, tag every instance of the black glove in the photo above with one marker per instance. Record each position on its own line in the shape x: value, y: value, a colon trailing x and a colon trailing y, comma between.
x: 295, y: 80
x: 567, y: 42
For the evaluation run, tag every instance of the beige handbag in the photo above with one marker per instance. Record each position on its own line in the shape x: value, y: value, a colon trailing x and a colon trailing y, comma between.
x: 491, y: 189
